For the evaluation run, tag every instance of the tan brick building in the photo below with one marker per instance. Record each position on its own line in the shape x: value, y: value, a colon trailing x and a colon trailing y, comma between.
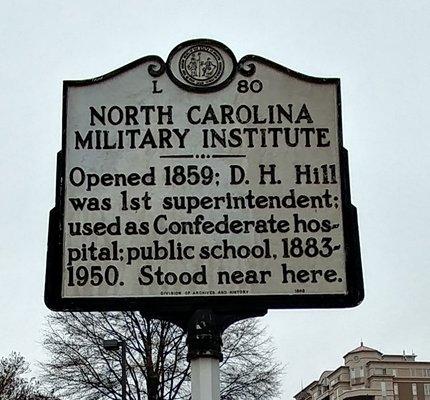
x: 367, y: 374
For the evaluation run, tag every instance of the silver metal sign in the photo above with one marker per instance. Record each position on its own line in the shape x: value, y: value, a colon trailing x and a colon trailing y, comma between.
x: 203, y: 181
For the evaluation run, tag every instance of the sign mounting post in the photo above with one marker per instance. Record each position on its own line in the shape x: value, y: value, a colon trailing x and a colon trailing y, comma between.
x: 202, y: 183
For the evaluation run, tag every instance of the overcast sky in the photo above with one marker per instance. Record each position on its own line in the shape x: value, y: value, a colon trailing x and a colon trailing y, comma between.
x: 379, y: 50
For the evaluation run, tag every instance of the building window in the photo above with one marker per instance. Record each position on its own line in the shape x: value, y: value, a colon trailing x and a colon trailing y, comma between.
x: 361, y: 372
x: 404, y: 372
x: 414, y: 389
x: 352, y: 373
x: 427, y: 372
x: 396, y: 389
x: 427, y: 389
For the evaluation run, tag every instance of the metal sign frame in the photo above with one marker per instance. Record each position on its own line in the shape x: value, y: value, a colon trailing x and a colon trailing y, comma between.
x: 173, y: 307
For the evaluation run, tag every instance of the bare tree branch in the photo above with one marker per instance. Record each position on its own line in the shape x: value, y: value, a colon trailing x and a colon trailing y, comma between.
x: 156, y: 359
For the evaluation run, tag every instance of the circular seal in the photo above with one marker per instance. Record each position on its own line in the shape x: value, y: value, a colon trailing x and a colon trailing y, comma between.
x: 201, y: 65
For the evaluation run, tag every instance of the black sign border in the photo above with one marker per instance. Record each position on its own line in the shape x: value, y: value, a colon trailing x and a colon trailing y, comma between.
x: 176, y: 307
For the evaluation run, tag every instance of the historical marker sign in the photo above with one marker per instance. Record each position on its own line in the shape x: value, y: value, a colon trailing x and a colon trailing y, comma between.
x: 202, y: 182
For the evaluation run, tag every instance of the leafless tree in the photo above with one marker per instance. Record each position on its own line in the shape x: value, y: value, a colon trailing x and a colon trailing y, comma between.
x: 156, y: 357
x: 13, y: 383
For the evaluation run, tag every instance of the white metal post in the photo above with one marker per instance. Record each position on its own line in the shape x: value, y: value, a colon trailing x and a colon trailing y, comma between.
x: 204, y: 353
x: 205, y: 379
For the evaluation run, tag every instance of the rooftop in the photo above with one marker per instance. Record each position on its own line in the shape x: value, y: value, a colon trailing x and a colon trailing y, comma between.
x: 362, y: 348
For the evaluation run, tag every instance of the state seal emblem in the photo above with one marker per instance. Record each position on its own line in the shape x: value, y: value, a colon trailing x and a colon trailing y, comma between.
x: 201, y: 65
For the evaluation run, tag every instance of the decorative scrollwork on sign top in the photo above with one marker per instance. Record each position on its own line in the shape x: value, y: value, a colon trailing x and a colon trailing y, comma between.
x: 157, y: 67
x: 245, y: 67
